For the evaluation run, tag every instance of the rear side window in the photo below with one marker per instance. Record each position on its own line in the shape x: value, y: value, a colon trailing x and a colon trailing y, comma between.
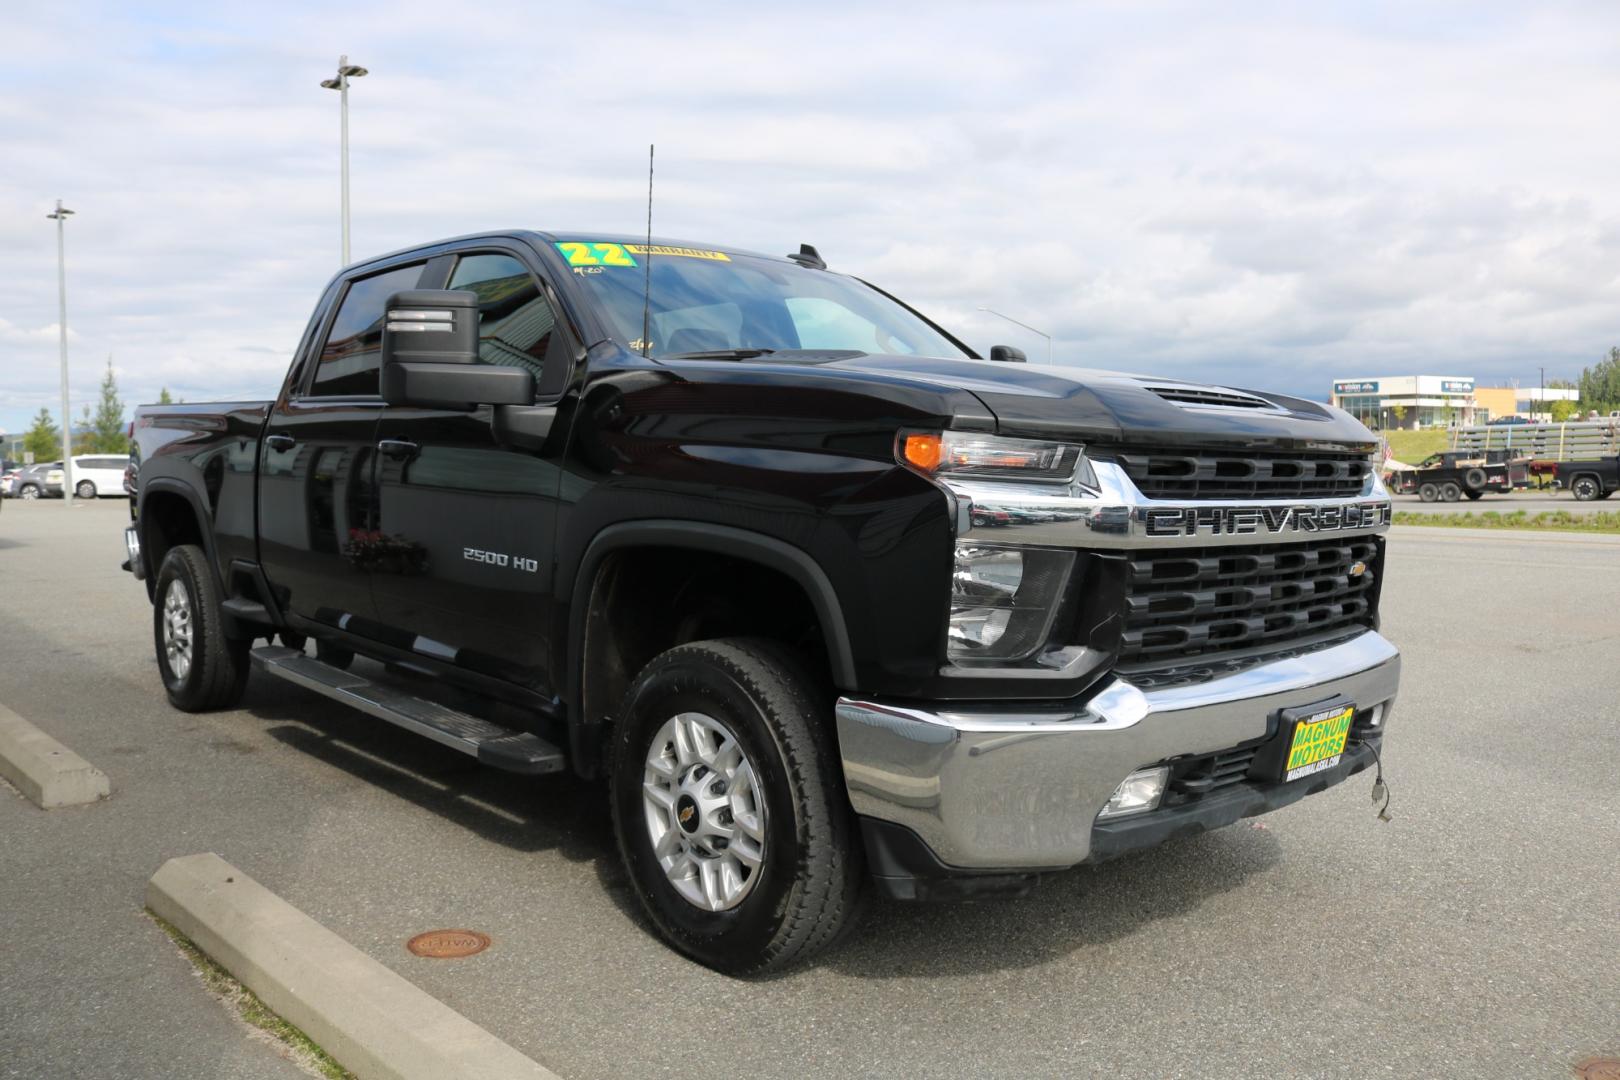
x: 353, y: 347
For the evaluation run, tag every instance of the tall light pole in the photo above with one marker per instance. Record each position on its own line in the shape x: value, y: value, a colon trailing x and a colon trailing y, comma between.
x: 1026, y: 326
x: 340, y: 83
x: 60, y: 217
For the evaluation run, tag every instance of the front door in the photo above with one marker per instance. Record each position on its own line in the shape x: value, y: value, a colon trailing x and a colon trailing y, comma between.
x: 317, y: 471
x: 470, y: 521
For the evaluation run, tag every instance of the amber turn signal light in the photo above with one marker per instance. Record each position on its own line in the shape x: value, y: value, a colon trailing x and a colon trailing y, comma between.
x: 923, y: 451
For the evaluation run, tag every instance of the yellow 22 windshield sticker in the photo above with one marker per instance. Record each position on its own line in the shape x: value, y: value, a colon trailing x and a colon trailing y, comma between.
x: 595, y: 254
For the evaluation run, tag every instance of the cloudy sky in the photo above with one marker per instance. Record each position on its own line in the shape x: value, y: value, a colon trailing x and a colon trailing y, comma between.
x: 1269, y: 195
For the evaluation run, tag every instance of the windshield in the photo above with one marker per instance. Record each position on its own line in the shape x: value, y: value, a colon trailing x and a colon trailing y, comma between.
x: 711, y: 301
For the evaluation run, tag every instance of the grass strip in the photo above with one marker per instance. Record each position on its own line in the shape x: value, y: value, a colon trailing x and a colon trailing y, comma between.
x: 250, y: 1010
x: 1603, y: 521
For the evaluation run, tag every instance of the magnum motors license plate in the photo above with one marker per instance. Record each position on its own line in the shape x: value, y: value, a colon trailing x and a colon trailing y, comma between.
x: 1318, y: 741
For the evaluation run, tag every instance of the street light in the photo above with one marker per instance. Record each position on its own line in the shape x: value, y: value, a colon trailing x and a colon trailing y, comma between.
x: 340, y: 83
x: 60, y: 217
x: 1026, y: 326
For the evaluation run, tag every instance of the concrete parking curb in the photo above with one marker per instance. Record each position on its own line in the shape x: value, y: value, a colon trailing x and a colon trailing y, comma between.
x: 46, y: 772
x: 372, y: 1021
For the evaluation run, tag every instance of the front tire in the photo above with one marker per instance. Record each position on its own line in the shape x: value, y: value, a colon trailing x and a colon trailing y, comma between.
x: 202, y: 669
x: 1428, y: 493
x: 729, y: 808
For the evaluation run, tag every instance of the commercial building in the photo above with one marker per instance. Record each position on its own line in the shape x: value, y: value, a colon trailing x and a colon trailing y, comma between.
x: 1387, y: 402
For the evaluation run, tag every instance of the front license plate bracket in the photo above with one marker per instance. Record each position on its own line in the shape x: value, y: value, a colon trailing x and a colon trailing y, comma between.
x: 1309, y: 739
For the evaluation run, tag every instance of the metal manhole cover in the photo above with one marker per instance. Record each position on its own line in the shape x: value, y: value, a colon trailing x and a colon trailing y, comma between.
x: 448, y: 944
x: 1603, y: 1068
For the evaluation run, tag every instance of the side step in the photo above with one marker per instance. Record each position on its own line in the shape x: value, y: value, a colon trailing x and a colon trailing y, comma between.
x: 492, y: 744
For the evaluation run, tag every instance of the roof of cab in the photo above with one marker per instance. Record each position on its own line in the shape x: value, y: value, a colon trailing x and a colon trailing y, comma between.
x: 568, y: 236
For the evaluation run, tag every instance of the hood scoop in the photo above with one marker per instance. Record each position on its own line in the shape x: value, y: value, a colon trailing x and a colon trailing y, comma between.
x: 1209, y: 397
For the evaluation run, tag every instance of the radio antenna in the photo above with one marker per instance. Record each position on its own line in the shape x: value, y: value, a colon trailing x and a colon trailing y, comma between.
x: 646, y: 288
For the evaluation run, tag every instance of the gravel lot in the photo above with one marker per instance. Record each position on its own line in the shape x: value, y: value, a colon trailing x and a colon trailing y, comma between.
x: 1475, y: 936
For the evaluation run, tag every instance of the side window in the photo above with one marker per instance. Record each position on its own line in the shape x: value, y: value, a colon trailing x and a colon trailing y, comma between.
x: 516, y: 326
x: 354, y: 345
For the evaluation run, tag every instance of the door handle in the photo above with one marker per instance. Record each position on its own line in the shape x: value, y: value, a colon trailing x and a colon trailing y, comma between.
x: 280, y: 442
x: 398, y: 449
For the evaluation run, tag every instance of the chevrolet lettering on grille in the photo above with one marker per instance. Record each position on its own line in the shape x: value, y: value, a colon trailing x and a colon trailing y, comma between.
x: 1161, y: 521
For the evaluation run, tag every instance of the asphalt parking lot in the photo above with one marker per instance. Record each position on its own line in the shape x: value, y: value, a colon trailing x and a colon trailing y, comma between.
x: 1474, y: 936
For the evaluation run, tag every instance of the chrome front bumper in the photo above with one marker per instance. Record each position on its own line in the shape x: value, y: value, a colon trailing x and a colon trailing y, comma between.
x: 1019, y: 788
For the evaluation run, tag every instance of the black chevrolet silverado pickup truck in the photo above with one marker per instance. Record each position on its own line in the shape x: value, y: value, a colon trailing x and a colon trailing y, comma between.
x: 828, y: 600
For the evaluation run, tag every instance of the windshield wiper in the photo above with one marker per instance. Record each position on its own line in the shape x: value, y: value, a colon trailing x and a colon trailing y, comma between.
x: 716, y: 354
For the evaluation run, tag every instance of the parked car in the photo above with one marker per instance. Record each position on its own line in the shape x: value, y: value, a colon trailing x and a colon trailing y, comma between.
x: 38, y: 482
x: 97, y: 475
x: 696, y: 521
x: 1588, y: 480
x: 1503, y: 421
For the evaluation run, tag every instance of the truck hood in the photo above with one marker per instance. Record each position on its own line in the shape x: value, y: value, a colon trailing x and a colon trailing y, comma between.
x: 1114, y: 407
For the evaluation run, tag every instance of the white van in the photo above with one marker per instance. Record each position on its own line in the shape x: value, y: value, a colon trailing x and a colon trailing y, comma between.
x: 99, y: 474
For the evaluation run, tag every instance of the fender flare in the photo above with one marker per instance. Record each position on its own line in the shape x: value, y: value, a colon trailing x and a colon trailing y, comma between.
x: 170, y: 485
x: 768, y: 551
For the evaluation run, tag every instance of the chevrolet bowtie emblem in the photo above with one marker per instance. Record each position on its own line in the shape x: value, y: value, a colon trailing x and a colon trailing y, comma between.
x: 1357, y: 569
x: 686, y: 814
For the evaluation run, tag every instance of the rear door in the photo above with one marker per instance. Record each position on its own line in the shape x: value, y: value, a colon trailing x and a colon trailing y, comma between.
x: 469, y: 522
x: 318, y: 541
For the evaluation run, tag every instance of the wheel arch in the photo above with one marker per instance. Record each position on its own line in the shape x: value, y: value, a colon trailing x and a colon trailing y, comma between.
x: 588, y: 716
x: 172, y: 513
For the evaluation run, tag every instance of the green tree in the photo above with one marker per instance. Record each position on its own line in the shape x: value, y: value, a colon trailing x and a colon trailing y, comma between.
x: 164, y: 397
x: 1600, y: 383
x: 1561, y: 410
x: 43, y: 440
x: 1400, y: 415
x: 107, y: 429
x: 84, y: 434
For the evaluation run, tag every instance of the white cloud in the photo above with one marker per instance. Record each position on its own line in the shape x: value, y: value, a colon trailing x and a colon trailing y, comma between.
x: 1266, y: 195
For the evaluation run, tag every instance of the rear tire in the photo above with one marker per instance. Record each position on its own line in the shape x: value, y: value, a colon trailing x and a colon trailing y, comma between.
x: 1585, y: 488
x: 1428, y: 493
x: 1450, y: 492
x: 28, y: 491
x: 202, y: 669
x: 784, y: 881
x: 84, y: 489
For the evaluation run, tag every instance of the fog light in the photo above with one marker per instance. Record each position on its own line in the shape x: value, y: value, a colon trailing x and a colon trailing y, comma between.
x: 1375, y: 718
x: 1137, y: 793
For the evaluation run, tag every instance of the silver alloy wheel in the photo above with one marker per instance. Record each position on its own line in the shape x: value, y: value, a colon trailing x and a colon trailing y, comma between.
x: 85, y: 490
x: 177, y: 628
x: 704, y: 811
x: 29, y: 492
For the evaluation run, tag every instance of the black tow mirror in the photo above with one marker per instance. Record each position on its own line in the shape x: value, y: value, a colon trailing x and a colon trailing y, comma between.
x: 1007, y: 354
x: 430, y: 355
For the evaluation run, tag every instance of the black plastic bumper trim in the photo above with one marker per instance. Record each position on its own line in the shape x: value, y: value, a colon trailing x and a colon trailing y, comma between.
x: 1217, y: 809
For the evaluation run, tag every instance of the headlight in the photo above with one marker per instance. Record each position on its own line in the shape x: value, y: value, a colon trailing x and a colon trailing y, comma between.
x: 968, y: 453
x: 1003, y: 600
